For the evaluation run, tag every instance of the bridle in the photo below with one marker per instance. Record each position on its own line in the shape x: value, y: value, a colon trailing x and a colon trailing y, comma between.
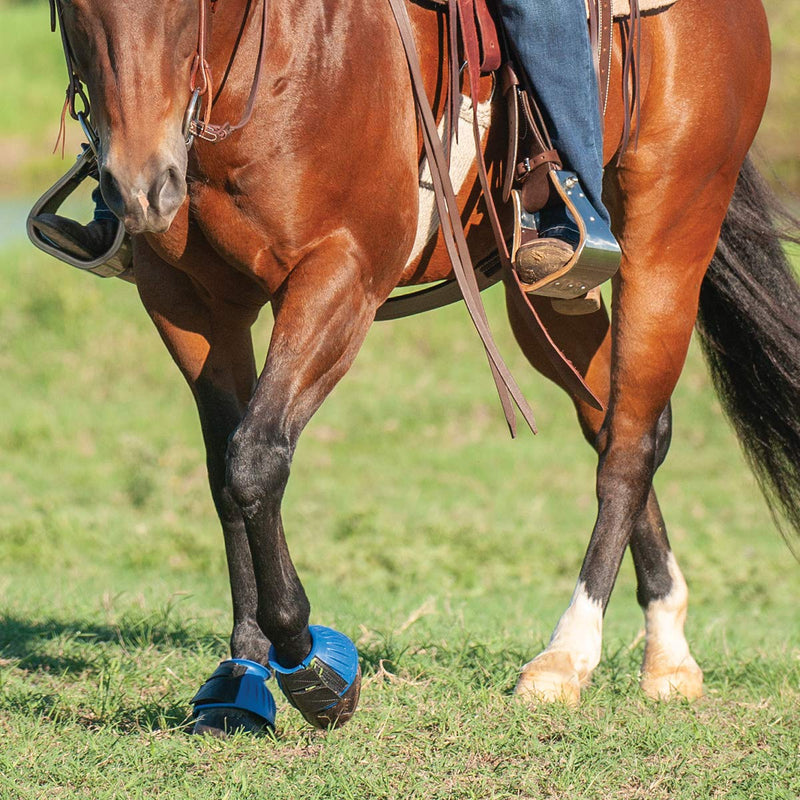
x: 193, y: 125
x: 197, y: 119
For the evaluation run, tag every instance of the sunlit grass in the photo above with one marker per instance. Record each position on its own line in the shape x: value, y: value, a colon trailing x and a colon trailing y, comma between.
x: 444, y: 549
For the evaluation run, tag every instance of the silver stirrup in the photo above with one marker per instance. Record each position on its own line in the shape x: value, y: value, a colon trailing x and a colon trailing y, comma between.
x: 597, y: 255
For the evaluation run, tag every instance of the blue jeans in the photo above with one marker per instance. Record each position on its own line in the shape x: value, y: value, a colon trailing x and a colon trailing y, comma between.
x: 551, y: 40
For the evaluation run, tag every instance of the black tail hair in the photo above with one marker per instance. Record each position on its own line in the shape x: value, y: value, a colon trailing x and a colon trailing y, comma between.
x: 749, y: 326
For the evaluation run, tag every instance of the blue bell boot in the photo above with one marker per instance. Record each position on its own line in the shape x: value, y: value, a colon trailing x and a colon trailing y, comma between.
x: 325, y: 686
x: 235, y: 698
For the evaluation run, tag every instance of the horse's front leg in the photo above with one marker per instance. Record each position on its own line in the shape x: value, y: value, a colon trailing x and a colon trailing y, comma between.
x: 210, y: 342
x: 322, y: 314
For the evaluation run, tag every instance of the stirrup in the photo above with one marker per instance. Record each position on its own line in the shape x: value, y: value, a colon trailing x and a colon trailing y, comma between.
x: 114, y: 263
x: 324, y: 687
x: 597, y: 255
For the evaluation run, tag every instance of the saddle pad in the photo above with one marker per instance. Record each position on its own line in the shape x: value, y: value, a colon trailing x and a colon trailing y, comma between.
x: 462, y: 160
x: 622, y: 8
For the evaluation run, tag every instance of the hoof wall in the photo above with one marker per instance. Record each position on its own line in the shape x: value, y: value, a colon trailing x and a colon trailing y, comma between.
x: 550, y: 678
x: 684, y: 681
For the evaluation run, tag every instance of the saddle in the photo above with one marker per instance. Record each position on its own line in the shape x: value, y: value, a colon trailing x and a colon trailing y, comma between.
x: 539, y: 175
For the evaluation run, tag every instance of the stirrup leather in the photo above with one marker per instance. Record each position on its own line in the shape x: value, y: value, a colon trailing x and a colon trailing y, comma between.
x: 597, y: 256
x: 115, y: 262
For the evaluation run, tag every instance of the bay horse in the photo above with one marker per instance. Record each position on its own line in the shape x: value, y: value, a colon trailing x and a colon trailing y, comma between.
x: 312, y: 207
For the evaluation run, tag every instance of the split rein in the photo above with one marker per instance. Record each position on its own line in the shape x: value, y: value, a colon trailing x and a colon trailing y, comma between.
x: 200, y: 83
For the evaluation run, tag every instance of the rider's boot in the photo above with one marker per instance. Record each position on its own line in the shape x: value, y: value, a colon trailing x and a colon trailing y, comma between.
x: 86, y: 242
x: 551, y: 250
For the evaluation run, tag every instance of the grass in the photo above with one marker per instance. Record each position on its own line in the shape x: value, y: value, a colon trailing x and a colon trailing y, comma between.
x: 444, y: 549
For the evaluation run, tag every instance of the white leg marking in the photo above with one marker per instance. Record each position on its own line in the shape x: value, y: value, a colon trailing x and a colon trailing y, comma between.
x: 572, y: 655
x: 668, y: 667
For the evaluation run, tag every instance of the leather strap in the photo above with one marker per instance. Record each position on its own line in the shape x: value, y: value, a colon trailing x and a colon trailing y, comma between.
x: 491, y: 57
x: 601, y: 34
x: 632, y: 29
x: 453, y: 234
x: 204, y: 129
x: 509, y: 84
x: 528, y: 165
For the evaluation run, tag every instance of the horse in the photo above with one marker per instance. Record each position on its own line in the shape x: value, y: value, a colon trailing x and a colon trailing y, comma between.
x: 312, y: 207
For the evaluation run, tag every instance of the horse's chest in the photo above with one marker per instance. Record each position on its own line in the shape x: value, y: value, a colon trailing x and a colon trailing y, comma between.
x: 239, y: 232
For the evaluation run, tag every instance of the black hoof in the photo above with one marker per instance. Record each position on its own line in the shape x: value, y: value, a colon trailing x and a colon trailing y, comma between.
x: 224, y: 722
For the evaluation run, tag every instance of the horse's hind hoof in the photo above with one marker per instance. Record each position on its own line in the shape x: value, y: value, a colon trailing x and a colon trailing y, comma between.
x: 325, y: 686
x: 235, y: 698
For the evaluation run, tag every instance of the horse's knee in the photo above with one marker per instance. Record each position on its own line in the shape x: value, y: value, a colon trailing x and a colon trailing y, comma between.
x: 257, y: 468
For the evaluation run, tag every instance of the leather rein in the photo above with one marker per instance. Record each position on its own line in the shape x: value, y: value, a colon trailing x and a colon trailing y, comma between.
x: 196, y: 119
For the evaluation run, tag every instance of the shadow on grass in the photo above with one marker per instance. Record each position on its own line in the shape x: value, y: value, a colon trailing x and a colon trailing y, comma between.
x: 68, y: 646
x: 68, y: 671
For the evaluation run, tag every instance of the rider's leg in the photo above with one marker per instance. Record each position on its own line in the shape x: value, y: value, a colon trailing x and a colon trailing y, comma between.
x: 551, y: 41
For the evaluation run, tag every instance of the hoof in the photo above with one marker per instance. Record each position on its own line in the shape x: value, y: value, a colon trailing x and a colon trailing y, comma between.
x: 224, y: 722
x: 235, y: 698
x: 666, y: 683
x: 326, y: 685
x: 550, y: 678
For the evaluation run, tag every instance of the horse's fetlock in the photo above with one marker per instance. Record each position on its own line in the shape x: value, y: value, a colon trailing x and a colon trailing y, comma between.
x: 289, y: 634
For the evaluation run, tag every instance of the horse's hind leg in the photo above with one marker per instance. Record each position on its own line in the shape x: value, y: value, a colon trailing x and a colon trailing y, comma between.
x: 668, y: 666
x: 668, y: 199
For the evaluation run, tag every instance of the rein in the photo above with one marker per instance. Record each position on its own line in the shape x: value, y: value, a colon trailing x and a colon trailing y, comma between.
x: 204, y: 129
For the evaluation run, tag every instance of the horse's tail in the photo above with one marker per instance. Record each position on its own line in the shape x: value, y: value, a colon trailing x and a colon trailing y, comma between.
x: 749, y: 325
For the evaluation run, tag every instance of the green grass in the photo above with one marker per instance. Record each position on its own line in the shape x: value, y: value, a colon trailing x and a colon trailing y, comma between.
x: 444, y: 549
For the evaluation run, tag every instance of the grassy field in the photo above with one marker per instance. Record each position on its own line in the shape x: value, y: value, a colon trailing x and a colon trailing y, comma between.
x: 444, y: 549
